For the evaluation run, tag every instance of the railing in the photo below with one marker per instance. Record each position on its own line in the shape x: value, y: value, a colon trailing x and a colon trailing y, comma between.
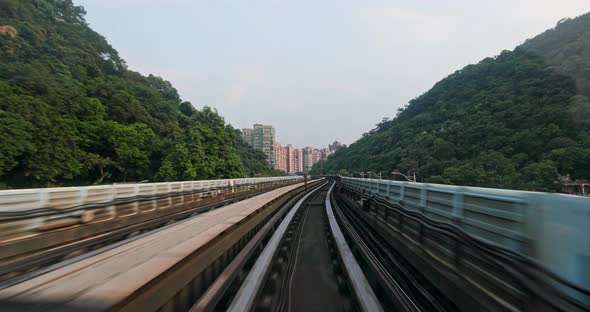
x: 29, y: 212
x: 551, y: 230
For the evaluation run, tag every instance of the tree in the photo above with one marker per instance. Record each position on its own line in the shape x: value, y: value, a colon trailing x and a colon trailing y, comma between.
x: 132, y: 148
x: 516, y: 120
x: 541, y: 176
x: 16, y: 140
x: 72, y: 113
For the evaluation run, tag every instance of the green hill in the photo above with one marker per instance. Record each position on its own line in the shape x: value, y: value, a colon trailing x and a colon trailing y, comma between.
x: 71, y: 113
x: 517, y: 120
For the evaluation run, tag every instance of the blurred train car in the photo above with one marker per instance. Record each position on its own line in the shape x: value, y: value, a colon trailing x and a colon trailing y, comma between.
x: 552, y: 230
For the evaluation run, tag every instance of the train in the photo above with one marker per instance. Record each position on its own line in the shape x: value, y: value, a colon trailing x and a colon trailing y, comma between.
x: 552, y: 230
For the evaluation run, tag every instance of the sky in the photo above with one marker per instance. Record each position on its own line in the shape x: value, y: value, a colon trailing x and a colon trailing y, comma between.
x: 318, y: 71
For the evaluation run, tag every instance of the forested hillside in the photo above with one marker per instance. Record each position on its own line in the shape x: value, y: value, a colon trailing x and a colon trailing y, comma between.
x: 517, y: 120
x: 71, y: 113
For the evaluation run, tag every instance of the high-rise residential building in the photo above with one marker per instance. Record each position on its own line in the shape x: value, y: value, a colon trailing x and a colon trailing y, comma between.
x: 336, y: 146
x: 307, y: 154
x: 316, y: 155
x: 290, y: 158
x: 297, y: 160
x: 280, y: 157
x: 286, y: 152
x: 263, y: 138
x: 276, y: 153
x: 325, y: 152
x: 248, y: 136
x: 285, y: 158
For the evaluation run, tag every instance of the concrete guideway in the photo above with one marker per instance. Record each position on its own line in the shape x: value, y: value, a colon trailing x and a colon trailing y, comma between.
x: 362, y: 288
x: 316, y: 281
x: 247, y: 294
x: 344, y: 245
x: 42, y: 228
x: 127, y: 277
x: 306, y: 265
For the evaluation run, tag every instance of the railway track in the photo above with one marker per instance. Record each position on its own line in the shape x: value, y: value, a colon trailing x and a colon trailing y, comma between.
x: 297, y: 248
x: 328, y: 258
x: 323, y: 256
x: 306, y: 271
x: 305, y: 265
x: 168, y: 269
x: 401, y: 286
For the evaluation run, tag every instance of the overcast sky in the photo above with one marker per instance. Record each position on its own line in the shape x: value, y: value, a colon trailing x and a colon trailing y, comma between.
x: 317, y: 70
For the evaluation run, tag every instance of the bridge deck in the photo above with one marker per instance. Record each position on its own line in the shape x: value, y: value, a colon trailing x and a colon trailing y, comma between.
x: 107, y: 278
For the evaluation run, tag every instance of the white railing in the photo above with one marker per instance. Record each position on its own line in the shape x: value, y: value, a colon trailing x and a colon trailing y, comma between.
x: 31, y: 211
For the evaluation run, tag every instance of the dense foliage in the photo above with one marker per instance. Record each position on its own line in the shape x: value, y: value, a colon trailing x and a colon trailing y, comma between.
x: 71, y: 112
x: 516, y: 121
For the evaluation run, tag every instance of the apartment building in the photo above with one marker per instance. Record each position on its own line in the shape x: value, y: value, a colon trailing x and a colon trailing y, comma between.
x: 248, y: 136
x: 297, y: 160
x: 261, y: 137
x: 285, y: 158
x: 280, y: 157
x: 335, y: 146
x: 290, y: 158
x: 324, y: 153
x: 307, y: 158
x: 316, y: 155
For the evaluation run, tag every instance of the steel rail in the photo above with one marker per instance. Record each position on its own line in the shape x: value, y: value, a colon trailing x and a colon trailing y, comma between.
x: 246, y: 296
x: 392, y: 275
x: 285, y: 299
x: 362, y: 289
x: 171, y: 289
x: 218, y: 290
